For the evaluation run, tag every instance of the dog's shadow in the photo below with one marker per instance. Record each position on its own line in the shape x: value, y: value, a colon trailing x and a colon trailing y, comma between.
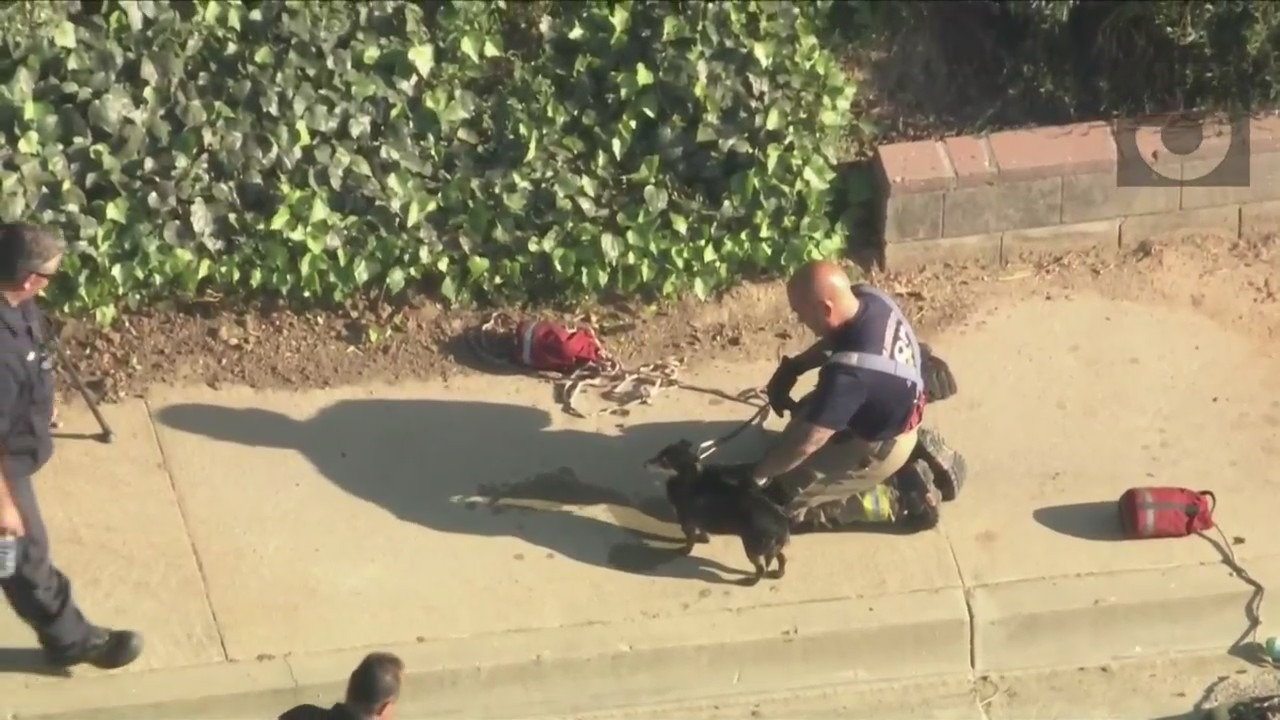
x: 485, y: 468
x: 655, y: 539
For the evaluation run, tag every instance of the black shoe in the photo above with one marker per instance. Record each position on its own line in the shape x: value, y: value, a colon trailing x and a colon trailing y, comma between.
x: 105, y: 649
x: 948, y: 466
x: 917, y: 497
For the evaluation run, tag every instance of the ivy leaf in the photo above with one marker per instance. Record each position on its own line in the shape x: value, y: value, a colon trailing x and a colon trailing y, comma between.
x: 423, y: 58
x: 678, y: 223
x: 470, y: 47
x: 449, y: 289
x: 117, y: 210
x: 700, y: 288
x: 478, y: 266
x: 611, y: 246
x: 644, y: 77
x: 396, y: 280
x: 656, y: 198
x: 64, y: 36
x: 29, y: 143
x: 12, y: 207
x: 773, y: 120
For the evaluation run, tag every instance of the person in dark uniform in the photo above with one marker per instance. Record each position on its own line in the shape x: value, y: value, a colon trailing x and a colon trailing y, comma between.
x: 38, y: 592
x: 854, y: 451
x: 372, y: 693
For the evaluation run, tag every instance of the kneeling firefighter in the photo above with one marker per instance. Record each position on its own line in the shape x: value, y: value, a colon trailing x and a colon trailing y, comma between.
x: 853, y: 451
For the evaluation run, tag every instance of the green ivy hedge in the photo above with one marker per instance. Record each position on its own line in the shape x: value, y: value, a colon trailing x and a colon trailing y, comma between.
x: 503, y: 151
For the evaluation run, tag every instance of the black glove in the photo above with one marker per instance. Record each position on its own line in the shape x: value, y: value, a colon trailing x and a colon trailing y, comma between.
x: 939, y: 383
x: 781, y: 384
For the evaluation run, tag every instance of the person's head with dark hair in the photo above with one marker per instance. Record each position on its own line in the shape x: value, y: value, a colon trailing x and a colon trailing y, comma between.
x: 374, y: 687
x: 29, y: 258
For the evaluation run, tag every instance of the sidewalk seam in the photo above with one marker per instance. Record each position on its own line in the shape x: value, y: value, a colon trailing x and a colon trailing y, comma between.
x: 186, y: 527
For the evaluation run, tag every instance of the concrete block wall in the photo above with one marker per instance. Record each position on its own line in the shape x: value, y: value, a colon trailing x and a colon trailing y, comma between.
x: 1011, y: 194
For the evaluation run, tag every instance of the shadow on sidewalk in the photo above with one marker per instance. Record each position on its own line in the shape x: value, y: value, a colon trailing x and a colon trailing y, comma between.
x: 478, y: 468
x: 28, y: 661
x: 1099, y: 521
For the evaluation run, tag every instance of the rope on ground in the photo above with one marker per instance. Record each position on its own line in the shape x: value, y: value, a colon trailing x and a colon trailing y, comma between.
x: 620, y: 386
x: 1252, y: 607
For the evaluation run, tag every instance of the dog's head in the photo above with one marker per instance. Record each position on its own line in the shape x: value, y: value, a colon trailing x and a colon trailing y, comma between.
x: 678, y: 458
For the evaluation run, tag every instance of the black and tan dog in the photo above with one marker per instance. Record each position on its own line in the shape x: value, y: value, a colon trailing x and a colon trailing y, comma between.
x: 723, y: 500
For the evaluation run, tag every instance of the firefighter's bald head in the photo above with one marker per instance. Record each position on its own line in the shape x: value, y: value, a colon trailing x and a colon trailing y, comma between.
x: 821, y: 295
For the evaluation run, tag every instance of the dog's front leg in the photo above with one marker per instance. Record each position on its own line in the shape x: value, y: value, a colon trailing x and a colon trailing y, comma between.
x: 781, y: 571
x: 689, y: 528
x: 692, y: 536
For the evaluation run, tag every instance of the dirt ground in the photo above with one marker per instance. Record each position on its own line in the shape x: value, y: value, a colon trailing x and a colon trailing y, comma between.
x: 1235, y: 282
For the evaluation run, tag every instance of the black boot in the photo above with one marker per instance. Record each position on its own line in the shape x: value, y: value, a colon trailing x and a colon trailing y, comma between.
x: 105, y: 649
x: 947, y: 466
x: 917, y: 497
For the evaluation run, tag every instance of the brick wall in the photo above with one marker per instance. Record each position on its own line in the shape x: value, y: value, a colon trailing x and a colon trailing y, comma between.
x: 1001, y: 196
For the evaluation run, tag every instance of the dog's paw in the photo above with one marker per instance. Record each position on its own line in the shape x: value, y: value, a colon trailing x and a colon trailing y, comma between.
x: 777, y: 573
x: 702, y: 538
x: 750, y: 581
x: 687, y: 549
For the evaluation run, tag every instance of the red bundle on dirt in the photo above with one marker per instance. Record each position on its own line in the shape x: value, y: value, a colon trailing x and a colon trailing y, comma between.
x: 547, y: 346
x: 573, y: 358
x: 1163, y: 512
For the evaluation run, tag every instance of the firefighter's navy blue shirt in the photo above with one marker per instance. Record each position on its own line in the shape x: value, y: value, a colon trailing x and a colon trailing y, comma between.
x: 26, y: 390
x: 871, y: 404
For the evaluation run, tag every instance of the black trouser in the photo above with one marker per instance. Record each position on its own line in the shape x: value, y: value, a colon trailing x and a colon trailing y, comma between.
x: 38, y: 592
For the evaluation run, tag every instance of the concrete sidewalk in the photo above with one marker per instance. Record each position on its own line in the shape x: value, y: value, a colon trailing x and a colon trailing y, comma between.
x: 264, y: 542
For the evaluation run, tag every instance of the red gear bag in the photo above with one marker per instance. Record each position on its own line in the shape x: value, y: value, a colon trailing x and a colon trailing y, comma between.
x: 1164, y: 512
x: 546, y: 346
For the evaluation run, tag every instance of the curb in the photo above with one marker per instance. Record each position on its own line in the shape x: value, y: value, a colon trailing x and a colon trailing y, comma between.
x: 909, y: 640
x: 1092, y: 620
x: 564, y: 670
x: 1168, y: 688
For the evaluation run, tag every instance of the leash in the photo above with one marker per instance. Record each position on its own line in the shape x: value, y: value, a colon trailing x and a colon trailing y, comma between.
x: 1256, y: 706
x: 622, y: 387
x: 706, y: 449
x: 1252, y: 607
x: 51, y: 339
